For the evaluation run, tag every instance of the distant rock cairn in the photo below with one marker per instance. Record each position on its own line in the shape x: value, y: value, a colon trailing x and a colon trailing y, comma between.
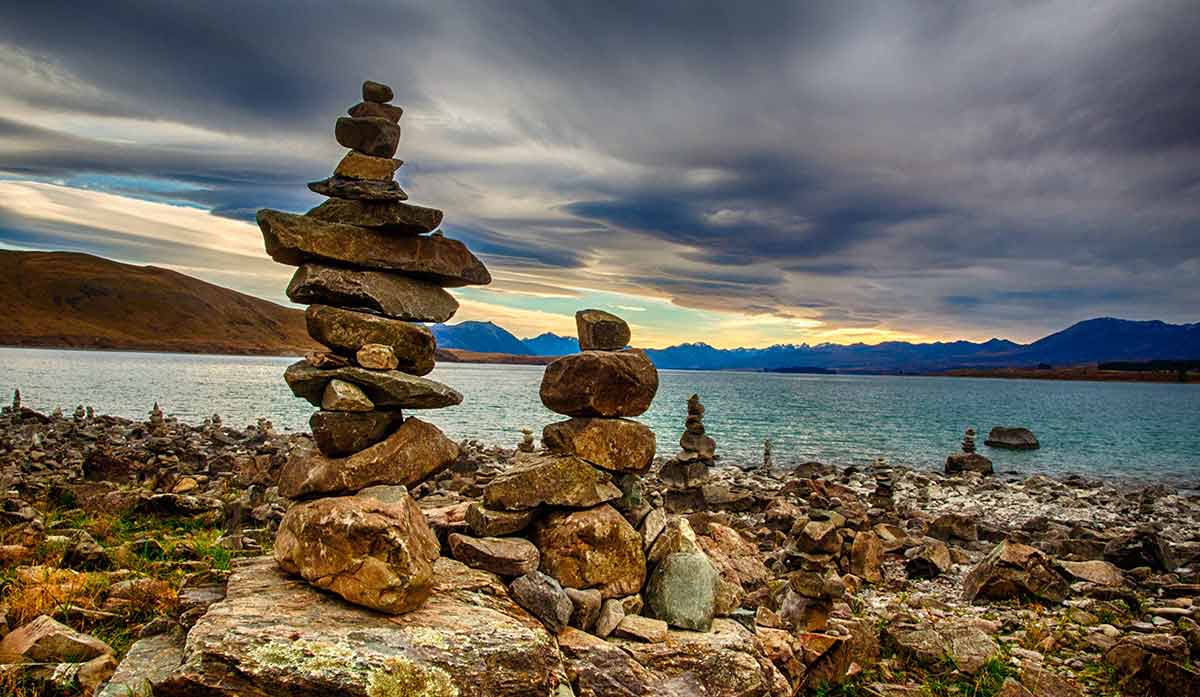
x: 369, y: 271
x: 689, y: 468
x: 968, y: 460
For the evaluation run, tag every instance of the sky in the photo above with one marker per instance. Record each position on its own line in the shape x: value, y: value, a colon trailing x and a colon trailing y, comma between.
x: 741, y: 174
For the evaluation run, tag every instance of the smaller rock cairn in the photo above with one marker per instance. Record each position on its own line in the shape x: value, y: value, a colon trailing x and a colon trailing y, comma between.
x: 580, y: 559
x: 968, y: 460
x: 370, y: 272
x: 688, y: 471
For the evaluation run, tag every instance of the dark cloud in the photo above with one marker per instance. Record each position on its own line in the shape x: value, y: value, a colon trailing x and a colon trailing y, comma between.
x: 914, y: 166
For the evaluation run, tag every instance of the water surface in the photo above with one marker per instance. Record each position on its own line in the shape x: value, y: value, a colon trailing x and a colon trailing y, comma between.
x: 1148, y: 431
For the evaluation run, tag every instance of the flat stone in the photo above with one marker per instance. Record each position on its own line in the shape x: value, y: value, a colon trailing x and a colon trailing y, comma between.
x: 391, y: 112
x: 488, y: 522
x: 358, y: 189
x: 600, y: 383
x: 394, y: 217
x: 356, y: 165
x: 345, y: 433
x: 611, y: 614
x: 346, y: 331
x: 640, y: 628
x: 296, y: 239
x: 969, y: 647
x: 147, y: 664
x: 682, y: 591
x: 376, y: 92
x: 587, y: 607
x: 601, y: 331
x: 545, y: 598
x: 1096, y: 571
x: 725, y: 662
x: 552, y: 480
x: 416, y: 451
x: 369, y: 135
x: 387, y: 294
x: 388, y: 389
x: 276, y: 635
x: 46, y: 640
x: 617, y: 445
x: 344, y: 396
x: 592, y: 548
x: 373, y: 553
x: 503, y: 556
x: 1015, y: 571
x: 376, y: 357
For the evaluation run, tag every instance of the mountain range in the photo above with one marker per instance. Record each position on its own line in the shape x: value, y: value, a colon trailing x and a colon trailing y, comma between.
x: 66, y: 299
x: 1088, y: 342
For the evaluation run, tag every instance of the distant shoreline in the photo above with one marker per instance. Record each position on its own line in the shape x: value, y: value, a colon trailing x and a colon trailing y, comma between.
x: 458, y: 356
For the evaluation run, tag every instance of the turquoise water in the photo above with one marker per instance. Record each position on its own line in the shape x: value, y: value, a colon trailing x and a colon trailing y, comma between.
x: 1137, y: 431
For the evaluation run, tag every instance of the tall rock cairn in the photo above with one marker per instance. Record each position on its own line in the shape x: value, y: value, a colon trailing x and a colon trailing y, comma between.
x: 698, y: 452
x: 580, y: 552
x: 369, y: 271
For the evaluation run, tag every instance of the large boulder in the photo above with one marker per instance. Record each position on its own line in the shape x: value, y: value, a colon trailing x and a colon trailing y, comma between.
x: 341, y: 433
x: 545, y: 598
x: 147, y: 664
x: 600, y: 383
x: 1012, y: 438
x: 296, y: 239
x: 727, y: 661
x: 562, y: 480
x: 592, y: 548
x: 617, y: 445
x: 395, y: 217
x: 374, y: 553
x: 682, y: 591
x: 1142, y: 547
x: 1015, y: 571
x: 347, y: 331
x: 387, y: 389
x: 968, y: 462
x: 274, y: 635
x: 388, y: 294
x: 413, y: 453
x: 967, y: 646
x: 601, y: 331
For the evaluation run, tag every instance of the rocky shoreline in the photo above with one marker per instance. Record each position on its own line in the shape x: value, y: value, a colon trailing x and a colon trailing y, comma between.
x: 122, y: 539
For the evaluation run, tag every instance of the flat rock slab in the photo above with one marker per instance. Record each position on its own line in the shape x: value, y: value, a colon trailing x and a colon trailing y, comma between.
x: 146, y: 665
x: 358, y: 189
x: 726, y: 662
x: 387, y: 389
x: 275, y: 635
x: 388, y: 294
x: 416, y: 451
x: 347, y: 331
x: 296, y: 239
x: 395, y: 217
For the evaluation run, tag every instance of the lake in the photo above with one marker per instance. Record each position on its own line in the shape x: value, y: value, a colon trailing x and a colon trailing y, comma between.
x: 1140, y: 431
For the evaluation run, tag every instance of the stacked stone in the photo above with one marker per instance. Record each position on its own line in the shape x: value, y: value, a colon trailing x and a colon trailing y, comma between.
x: 370, y: 273
x: 968, y: 443
x: 580, y: 561
x: 968, y: 460
x: 689, y: 468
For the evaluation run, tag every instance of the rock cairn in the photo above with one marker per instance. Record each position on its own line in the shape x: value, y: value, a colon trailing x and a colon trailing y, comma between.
x: 370, y: 272
x: 558, y: 523
x: 968, y: 460
x: 689, y: 468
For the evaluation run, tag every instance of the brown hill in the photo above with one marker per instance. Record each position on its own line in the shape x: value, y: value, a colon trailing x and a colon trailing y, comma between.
x: 65, y: 299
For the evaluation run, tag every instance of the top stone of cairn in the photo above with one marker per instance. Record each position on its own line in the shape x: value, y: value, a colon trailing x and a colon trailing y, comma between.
x: 601, y: 331
x: 376, y: 92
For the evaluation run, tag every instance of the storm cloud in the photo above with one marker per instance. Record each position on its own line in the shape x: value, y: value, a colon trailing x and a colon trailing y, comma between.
x: 904, y: 168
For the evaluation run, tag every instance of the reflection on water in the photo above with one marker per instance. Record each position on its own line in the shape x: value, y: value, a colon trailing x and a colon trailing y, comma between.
x: 1117, y: 429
